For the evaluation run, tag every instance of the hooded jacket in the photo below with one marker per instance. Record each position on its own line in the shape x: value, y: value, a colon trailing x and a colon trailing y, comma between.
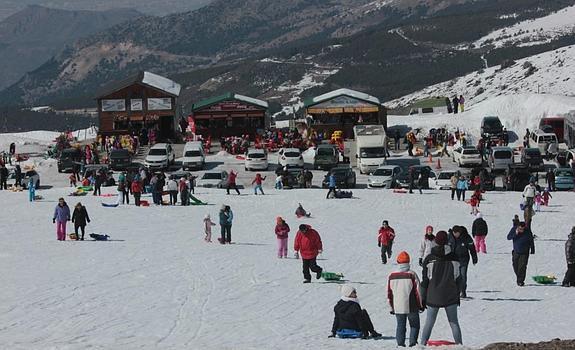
x: 463, y: 247
x: 282, y: 230
x: 347, y: 314
x: 522, y: 243
x: 427, y: 243
x: 80, y: 216
x: 479, y: 227
x: 440, y: 278
x: 386, y: 236
x: 62, y: 213
x: 570, y: 249
x: 308, y: 244
x: 403, y: 292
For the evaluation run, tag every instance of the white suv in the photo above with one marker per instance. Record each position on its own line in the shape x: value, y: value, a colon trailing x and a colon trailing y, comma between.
x: 160, y: 156
x: 290, y: 157
x: 256, y: 159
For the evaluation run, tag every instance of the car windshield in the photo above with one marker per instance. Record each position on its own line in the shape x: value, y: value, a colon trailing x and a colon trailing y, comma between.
x: 292, y: 154
x: 194, y: 153
x: 564, y: 173
x: 547, y: 138
x: 372, y: 152
x: 256, y: 155
x: 383, y: 172
x: 339, y: 172
x: 533, y: 152
x: 445, y: 176
x: 212, y: 176
x: 120, y: 153
x: 492, y: 123
x: 324, y: 151
x: 467, y: 151
x: 157, y: 152
x: 503, y: 155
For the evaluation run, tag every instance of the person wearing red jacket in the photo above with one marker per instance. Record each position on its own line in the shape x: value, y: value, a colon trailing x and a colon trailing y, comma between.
x: 258, y: 182
x: 308, y: 243
x: 136, y: 188
x: 232, y: 182
x: 282, y: 231
x: 385, y: 240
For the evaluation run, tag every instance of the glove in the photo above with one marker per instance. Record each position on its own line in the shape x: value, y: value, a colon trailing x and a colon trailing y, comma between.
x: 420, y: 261
x: 474, y: 261
x: 296, y: 255
x: 54, y: 220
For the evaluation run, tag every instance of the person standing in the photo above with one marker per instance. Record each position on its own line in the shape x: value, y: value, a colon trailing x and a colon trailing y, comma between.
x: 282, y: 231
x: 308, y: 243
x: 461, y: 104
x: 569, y: 279
x: 350, y: 317
x: 60, y: 218
x: 453, y: 185
x: 208, y: 228
x: 479, y: 232
x: 385, y: 240
x: 427, y: 243
x: 232, y: 182
x: 183, y: 187
x: 17, y: 176
x: 3, y: 177
x: 308, y: 178
x: 136, y: 188
x: 226, y: 218
x: 463, y: 247
x: 258, y: 181
x: 523, y: 245
x: 529, y: 194
x: 98, y: 181
x: 397, y: 139
x: 461, y: 188
x: 331, y: 184
x: 31, y: 190
x: 173, y: 190
x: 550, y: 177
x: 455, y: 104
x: 80, y: 217
x: 403, y: 295
x: 440, y: 287
x: 121, y: 189
x: 448, y: 105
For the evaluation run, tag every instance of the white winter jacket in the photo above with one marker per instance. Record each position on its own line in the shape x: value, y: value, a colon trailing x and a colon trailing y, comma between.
x: 403, y: 291
x: 529, y: 191
x: 425, y: 247
x: 172, y: 185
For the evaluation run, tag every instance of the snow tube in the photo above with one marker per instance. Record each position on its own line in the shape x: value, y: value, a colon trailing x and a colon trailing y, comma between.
x: 440, y: 343
x: 331, y: 276
x: 144, y: 203
x: 78, y: 194
x: 544, y: 279
x: 85, y: 188
x: 399, y: 191
x: 349, y: 333
x: 107, y: 205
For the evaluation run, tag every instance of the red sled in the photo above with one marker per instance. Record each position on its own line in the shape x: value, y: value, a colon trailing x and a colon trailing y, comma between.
x: 399, y: 191
x: 440, y: 343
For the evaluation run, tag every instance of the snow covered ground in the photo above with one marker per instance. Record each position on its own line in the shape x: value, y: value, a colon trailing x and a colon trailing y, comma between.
x: 158, y: 285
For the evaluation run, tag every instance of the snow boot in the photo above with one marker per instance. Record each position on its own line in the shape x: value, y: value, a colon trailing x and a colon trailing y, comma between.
x: 374, y: 334
x: 318, y: 275
x: 306, y: 281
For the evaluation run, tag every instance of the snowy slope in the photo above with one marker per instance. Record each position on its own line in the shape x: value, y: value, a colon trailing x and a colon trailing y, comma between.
x: 533, y: 32
x: 158, y: 285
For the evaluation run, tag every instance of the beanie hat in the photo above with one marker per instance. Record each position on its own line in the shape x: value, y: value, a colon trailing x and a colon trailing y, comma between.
x: 279, y: 220
x: 347, y: 290
x: 428, y: 228
x: 403, y: 258
x: 479, y: 216
x: 303, y: 227
x: 441, y: 238
x: 385, y: 222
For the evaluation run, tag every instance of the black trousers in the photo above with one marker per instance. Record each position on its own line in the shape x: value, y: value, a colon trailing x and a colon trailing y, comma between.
x: 97, y: 190
x: 520, y: 262
x: 3, y: 184
x: 453, y: 190
x: 309, y: 264
x: 569, y: 279
x: 386, y: 252
x: 460, y: 194
x: 226, y: 232
x: 126, y: 196
x: 184, y: 197
x: 137, y: 196
x: 331, y: 190
x: 363, y: 322
x: 82, y: 228
x: 173, y: 197
x: 234, y: 186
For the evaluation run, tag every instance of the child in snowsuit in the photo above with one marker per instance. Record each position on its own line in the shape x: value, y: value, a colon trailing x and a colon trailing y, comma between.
x: 208, y: 228
x: 474, y: 202
x: 546, y: 196
x: 60, y: 218
x: 300, y: 212
x: 308, y: 242
x: 538, y: 201
x: 405, y: 300
x: 31, y: 190
x: 80, y: 218
x: 279, y: 182
x: 385, y: 240
x: 350, y: 317
x: 479, y: 231
x: 282, y: 231
x: 73, y: 182
x: 427, y: 243
x: 258, y: 181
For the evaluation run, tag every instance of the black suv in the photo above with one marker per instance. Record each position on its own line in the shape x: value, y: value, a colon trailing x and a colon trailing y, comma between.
x: 533, y: 158
x: 491, y: 127
x: 344, y: 178
x: 120, y: 159
x: 69, y: 158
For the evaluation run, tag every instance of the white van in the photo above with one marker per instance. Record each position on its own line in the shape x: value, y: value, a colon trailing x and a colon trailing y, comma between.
x: 541, y: 140
x: 193, y: 157
x: 500, y: 157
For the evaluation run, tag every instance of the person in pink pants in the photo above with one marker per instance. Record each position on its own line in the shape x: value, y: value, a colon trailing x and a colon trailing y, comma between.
x: 61, y: 218
x: 479, y: 232
x: 282, y: 231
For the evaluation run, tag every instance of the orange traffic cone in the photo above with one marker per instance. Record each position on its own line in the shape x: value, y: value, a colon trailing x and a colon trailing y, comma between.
x: 438, y: 164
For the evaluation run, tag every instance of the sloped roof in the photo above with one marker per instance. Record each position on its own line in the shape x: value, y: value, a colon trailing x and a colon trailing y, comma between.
x: 152, y: 80
x: 341, y: 92
x: 229, y: 96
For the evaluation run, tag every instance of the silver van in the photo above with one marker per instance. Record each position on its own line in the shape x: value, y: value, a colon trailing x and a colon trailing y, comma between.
x: 500, y: 158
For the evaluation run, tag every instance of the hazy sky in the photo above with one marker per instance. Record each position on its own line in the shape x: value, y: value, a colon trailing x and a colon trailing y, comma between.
x: 157, y: 7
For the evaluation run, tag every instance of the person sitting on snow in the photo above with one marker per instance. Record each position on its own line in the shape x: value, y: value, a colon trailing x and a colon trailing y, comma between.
x: 350, y: 319
x: 300, y: 212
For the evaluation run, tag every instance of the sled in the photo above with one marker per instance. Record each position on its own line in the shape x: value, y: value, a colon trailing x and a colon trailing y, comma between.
x: 98, y: 237
x: 73, y: 236
x: 85, y: 188
x: 348, y: 334
x: 440, y: 343
x: 545, y: 279
x: 399, y: 191
x: 144, y: 203
x: 106, y: 205
x: 38, y: 197
x: 78, y: 194
x: 331, y: 276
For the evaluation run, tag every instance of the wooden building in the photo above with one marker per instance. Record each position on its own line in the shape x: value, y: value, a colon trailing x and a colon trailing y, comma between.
x: 229, y: 115
x: 343, y: 109
x: 141, y: 102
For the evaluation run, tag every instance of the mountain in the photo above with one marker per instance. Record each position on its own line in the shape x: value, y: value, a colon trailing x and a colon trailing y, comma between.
x: 284, y: 50
x: 150, y: 7
x: 30, y: 37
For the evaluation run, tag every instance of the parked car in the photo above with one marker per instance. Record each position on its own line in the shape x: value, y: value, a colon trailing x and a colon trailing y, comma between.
x: 517, y: 177
x: 90, y: 169
x: 69, y: 158
x: 26, y: 175
x: 385, y: 176
x: 180, y: 174
x: 467, y: 156
x: 290, y: 157
x: 533, y: 158
x: 564, y: 179
x: 120, y: 159
x: 491, y: 127
x: 193, y: 156
x: 326, y: 157
x: 344, y: 177
x: 256, y: 159
x: 213, y: 179
x: 160, y: 156
x: 291, y: 180
x: 418, y: 169
x: 443, y: 180
x: 499, y: 158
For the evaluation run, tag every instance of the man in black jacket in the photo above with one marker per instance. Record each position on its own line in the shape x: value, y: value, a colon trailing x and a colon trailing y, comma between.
x: 479, y: 232
x: 350, y: 316
x: 440, y: 287
x: 3, y: 177
x: 523, y: 244
x: 569, y: 279
x: 462, y: 245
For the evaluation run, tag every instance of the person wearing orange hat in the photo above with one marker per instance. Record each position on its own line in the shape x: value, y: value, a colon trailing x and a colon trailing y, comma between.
x: 403, y: 294
x: 282, y: 231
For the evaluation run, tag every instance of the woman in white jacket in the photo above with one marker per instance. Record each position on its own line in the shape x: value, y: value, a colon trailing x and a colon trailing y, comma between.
x: 427, y: 243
